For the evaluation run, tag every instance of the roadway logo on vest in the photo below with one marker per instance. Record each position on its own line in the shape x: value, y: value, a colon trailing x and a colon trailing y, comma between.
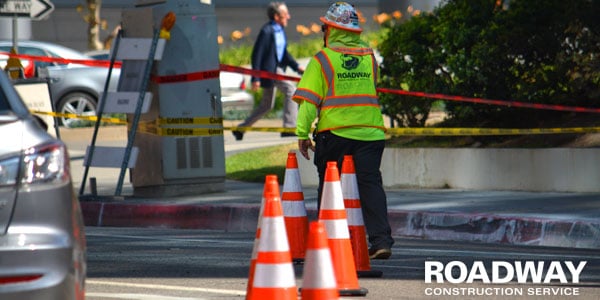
x: 351, y: 62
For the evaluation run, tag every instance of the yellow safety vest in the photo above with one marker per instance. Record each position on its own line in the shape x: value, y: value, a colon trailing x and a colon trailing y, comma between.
x: 350, y: 98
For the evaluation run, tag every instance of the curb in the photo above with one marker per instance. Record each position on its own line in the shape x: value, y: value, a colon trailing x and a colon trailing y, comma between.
x: 481, y: 228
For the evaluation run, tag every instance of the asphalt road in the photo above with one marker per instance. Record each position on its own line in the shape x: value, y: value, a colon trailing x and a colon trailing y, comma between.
x: 167, y: 264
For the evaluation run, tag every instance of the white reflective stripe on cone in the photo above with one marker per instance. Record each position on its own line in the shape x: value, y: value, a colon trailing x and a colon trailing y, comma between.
x: 293, y: 184
x: 274, y: 275
x: 293, y: 208
x: 337, y: 229
x: 320, y: 278
x: 354, y: 216
x: 349, y: 186
x: 332, y: 190
x: 273, y: 227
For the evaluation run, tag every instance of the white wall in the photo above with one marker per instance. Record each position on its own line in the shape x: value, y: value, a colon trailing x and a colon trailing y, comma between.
x: 543, y: 170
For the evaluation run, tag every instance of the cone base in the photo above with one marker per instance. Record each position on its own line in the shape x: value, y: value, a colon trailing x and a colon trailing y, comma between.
x: 353, y: 292
x: 369, y: 274
x: 319, y: 294
x: 273, y: 293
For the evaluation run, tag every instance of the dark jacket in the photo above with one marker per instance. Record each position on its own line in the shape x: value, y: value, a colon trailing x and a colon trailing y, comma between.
x: 264, y: 55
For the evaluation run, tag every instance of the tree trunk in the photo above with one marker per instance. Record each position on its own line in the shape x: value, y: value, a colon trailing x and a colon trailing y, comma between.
x: 93, y: 19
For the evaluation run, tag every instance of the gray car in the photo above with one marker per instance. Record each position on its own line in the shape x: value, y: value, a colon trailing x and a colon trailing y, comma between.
x: 42, y: 239
x: 74, y: 88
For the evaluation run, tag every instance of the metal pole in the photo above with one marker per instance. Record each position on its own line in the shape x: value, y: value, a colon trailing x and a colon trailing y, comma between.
x: 15, y: 33
x: 138, y: 111
x: 99, y: 113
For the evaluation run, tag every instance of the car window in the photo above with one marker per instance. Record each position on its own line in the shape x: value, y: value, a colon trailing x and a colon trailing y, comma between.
x: 27, y: 50
x: 37, y: 52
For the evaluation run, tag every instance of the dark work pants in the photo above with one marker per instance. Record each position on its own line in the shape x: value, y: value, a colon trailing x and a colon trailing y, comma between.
x: 367, y: 160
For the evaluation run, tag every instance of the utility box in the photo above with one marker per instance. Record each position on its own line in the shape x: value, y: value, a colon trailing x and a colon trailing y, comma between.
x: 180, y: 138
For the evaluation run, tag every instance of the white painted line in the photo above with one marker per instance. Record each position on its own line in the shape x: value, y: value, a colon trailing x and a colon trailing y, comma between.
x: 166, y: 287
x: 137, y: 296
x: 171, y: 239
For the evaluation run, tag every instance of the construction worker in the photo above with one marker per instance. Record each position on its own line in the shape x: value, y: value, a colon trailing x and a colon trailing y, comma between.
x: 338, y: 88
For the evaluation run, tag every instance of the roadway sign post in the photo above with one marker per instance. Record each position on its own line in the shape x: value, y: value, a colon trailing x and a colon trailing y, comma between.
x: 32, y: 9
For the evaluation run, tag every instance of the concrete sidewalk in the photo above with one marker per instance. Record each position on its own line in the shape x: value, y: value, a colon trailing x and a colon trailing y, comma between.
x: 515, y: 218
x: 507, y: 217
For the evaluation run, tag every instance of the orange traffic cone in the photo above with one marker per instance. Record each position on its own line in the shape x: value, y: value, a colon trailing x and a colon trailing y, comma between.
x: 274, y: 274
x: 356, y: 224
x: 318, y: 280
x: 333, y: 214
x: 294, y: 210
x: 271, y: 187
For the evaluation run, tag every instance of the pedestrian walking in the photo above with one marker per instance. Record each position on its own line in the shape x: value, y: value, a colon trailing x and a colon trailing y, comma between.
x: 270, y: 54
x: 339, y: 88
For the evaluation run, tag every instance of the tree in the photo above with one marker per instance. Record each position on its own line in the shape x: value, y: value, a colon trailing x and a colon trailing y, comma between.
x: 91, y: 15
x: 530, y: 50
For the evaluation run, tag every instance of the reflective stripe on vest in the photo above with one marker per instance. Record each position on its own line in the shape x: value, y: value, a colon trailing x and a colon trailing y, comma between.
x: 309, y: 96
x: 353, y: 100
x: 331, y: 100
x: 327, y: 69
x: 341, y: 108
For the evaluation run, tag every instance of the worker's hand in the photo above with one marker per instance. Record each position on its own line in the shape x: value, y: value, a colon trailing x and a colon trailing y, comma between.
x: 300, y: 70
x: 255, y: 85
x: 303, y: 146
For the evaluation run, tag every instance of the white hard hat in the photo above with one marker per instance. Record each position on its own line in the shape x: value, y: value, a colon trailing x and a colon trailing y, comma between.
x: 342, y: 15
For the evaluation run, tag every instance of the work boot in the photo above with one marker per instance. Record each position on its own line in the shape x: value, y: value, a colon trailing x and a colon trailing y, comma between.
x: 238, y: 135
x: 380, y: 253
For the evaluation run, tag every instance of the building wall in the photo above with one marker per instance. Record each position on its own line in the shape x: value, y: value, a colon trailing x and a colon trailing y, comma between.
x: 537, y: 170
x: 66, y: 26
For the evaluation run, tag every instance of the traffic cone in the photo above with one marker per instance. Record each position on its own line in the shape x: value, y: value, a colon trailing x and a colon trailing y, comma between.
x: 318, y: 280
x: 356, y: 224
x: 333, y: 214
x: 274, y: 274
x: 294, y: 210
x: 271, y: 187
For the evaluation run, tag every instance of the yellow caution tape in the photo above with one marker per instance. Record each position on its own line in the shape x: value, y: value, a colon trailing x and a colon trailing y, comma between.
x: 75, y: 116
x: 190, y: 121
x: 488, y: 131
x: 448, y: 131
x: 262, y: 129
x: 165, y: 127
x: 190, y: 131
x: 155, y: 127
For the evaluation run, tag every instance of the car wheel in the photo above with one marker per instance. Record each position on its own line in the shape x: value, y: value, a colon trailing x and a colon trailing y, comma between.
x: 80, y: 104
